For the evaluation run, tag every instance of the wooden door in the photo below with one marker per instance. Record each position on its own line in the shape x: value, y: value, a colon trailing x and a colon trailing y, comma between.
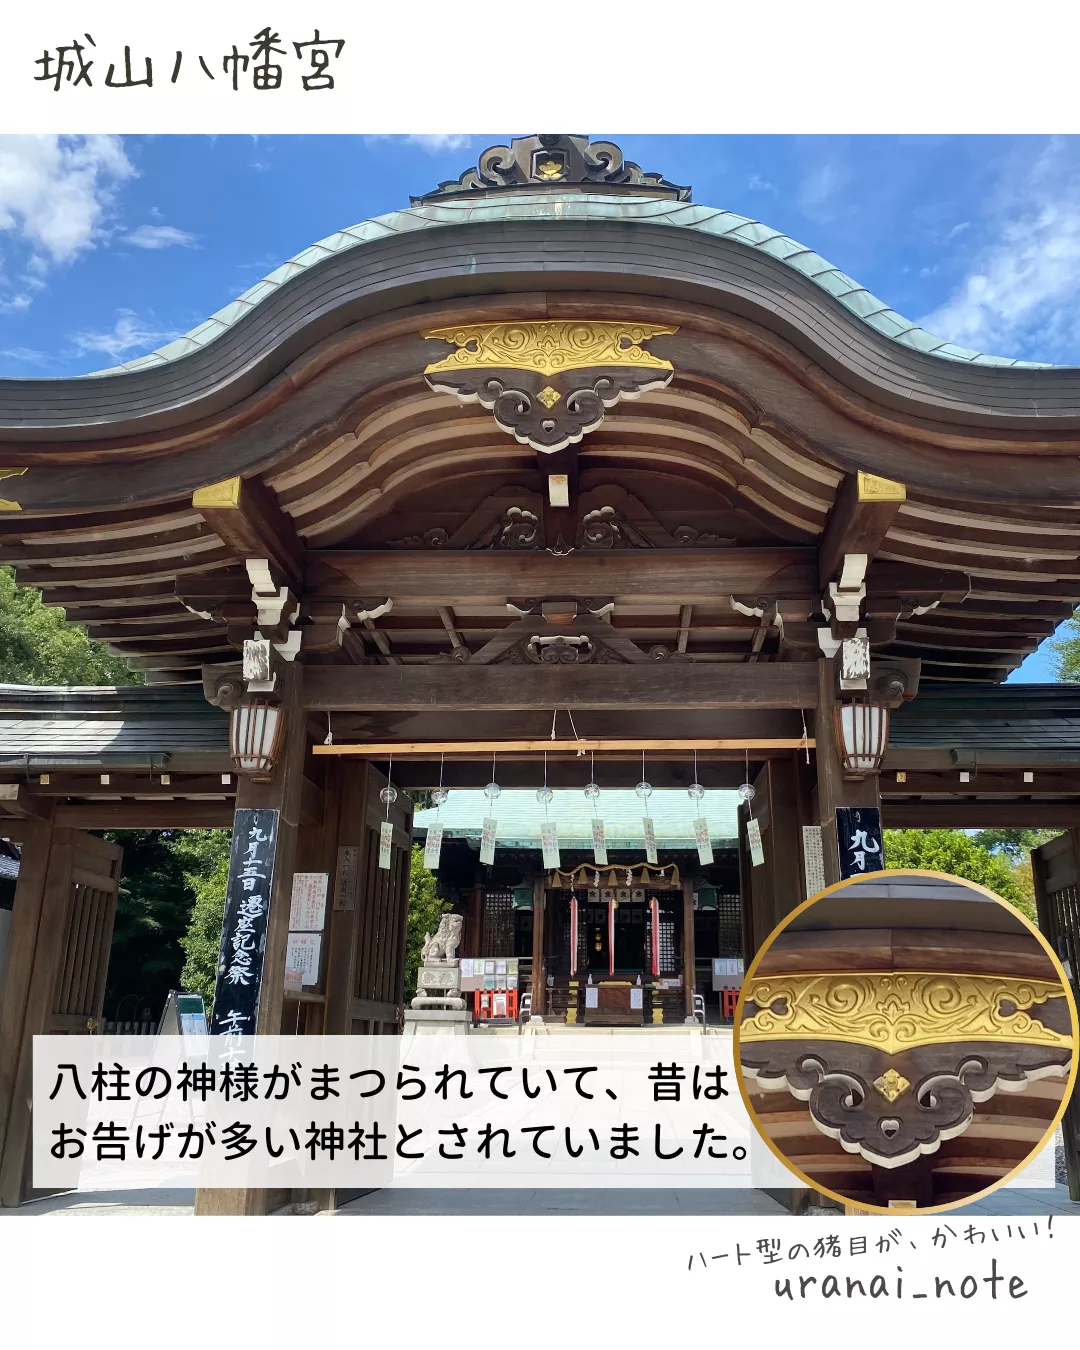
x: 54, y: 983
x: 1056, y: 869
x: 84, y: 958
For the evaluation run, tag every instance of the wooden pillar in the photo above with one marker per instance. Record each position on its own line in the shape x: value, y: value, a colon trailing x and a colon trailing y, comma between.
x: 282, y: 793
x: 474, y: 923
x: 833, y: 789
x: 775, y: 887
x: 539, y: 979
x: 688, y: 952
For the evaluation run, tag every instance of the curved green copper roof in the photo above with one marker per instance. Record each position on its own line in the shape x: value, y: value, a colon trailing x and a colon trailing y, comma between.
x: 526, y: 206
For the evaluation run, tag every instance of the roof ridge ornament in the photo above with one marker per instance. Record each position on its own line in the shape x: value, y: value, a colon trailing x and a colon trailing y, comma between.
x: 554, y: 162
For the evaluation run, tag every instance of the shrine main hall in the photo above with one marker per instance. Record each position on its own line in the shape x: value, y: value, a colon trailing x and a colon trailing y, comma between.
x: 554, y: 477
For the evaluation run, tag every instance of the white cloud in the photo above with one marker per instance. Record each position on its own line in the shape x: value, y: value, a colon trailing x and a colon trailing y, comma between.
x: 434, y: 145
x: 819, y: 190
x: 27, y: 355
x: 1020, y: 295
x: 129, y: 334
x: 55, y: 191
x: 759, y: 184
x: 158, y: 236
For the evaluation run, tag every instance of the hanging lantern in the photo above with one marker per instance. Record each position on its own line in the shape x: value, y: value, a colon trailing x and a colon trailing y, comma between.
x: 256, y: 729
x: 862, y: 733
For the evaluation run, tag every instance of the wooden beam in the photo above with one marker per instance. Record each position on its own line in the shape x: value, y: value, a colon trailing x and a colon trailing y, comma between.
x: 955, y: 815
x: 678, y: 574
x: 864, y: 508
x: 146, y: 815
x: 246, y: 516
x: 17, y: 800
x: 425, y: 750
x: 452, y: 688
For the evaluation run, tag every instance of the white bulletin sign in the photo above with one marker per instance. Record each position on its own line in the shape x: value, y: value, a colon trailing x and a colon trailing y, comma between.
x: 302, y: 956
x: 307, y: 913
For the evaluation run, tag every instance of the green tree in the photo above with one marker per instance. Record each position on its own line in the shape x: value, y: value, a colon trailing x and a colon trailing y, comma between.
x: 209, y: 878
x: 957, y: 853
x: 158, y: 888
x: 39, y: 646
x: 1065, y: 649
x: 1016, y: 844
x: 425, y: 911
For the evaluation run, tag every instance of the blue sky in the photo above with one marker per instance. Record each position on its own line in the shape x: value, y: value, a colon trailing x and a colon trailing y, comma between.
x: 112, y: 246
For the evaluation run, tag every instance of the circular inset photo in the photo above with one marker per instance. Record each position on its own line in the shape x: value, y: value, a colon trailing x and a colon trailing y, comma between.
x: 905, y: 1040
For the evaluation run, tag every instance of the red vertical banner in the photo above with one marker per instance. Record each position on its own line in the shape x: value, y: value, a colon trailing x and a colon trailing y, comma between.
x: 573, y: 935
x: 654, y: 913
x: 611, y: 935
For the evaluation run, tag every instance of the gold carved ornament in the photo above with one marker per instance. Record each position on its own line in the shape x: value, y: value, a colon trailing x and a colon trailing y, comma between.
x: 900, y: 1010
x: 591, y: 876
x: 549, y: 345
x: 6, y: 504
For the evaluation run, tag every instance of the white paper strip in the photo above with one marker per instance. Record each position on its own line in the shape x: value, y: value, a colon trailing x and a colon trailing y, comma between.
x: 433, y: 847
x: 650, y: 839
x: 704, y: 843
x: 386, y: 844
x: 599, y: 843
x: 487, y: 841
x: 813, y: 859
x: 549, y: 840
x: 753, y: 838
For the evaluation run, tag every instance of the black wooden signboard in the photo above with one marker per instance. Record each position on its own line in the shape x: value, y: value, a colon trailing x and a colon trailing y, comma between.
x: 243, y: 934
x: 858, y: 839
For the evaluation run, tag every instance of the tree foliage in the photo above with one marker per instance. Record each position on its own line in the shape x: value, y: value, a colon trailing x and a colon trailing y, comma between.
x: 159, y: 885
x: 959, y: 854
x: 202, y: 940
x: 39, y: 646
x: 1065, y: 649
x: 1016, y: 844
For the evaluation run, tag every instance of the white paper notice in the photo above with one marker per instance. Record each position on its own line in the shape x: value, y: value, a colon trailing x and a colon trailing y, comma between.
x: 386, y: 844
x: 307, y: 913
x: 704, y: 843
x: 813, y: 859
x: 636, y: 998
x: 592, y: 996
x: 599, y: 843
x: 487, y: 841
x: 549, y: 841
x: 433, y: 847
x: 303, y: 956
x: 753, y: 838
x: 650, y: 838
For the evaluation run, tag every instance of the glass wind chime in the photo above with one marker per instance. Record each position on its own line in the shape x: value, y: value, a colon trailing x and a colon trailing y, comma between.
x: 433, y: 842
x: 747, y: 793
x: 388, y: 796
x: 487, y: 838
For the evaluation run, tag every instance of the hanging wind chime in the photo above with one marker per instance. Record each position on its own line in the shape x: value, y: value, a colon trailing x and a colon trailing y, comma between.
x: 599, y: 839
x: 433, y: 842
x: 388, y: 796
x: 644, y: 791
x: 487, y: 839
x: 549, y: 833
x: 696, y: 793
x: 747, y: 793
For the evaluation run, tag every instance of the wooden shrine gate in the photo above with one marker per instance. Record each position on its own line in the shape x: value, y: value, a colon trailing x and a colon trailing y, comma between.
x: 58, y: 958
x: 1056, y: 869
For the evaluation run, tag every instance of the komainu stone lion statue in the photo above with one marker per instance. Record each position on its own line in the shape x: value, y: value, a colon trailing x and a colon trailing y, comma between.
x: 443, y: 945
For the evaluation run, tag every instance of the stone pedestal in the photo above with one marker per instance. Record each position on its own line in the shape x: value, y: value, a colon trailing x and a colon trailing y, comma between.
x: 437, y: 1022
x: 438, y: 985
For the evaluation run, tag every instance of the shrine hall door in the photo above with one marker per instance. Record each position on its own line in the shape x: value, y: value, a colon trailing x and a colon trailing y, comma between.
x: 1056, y: 869
x: 54, y: 982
